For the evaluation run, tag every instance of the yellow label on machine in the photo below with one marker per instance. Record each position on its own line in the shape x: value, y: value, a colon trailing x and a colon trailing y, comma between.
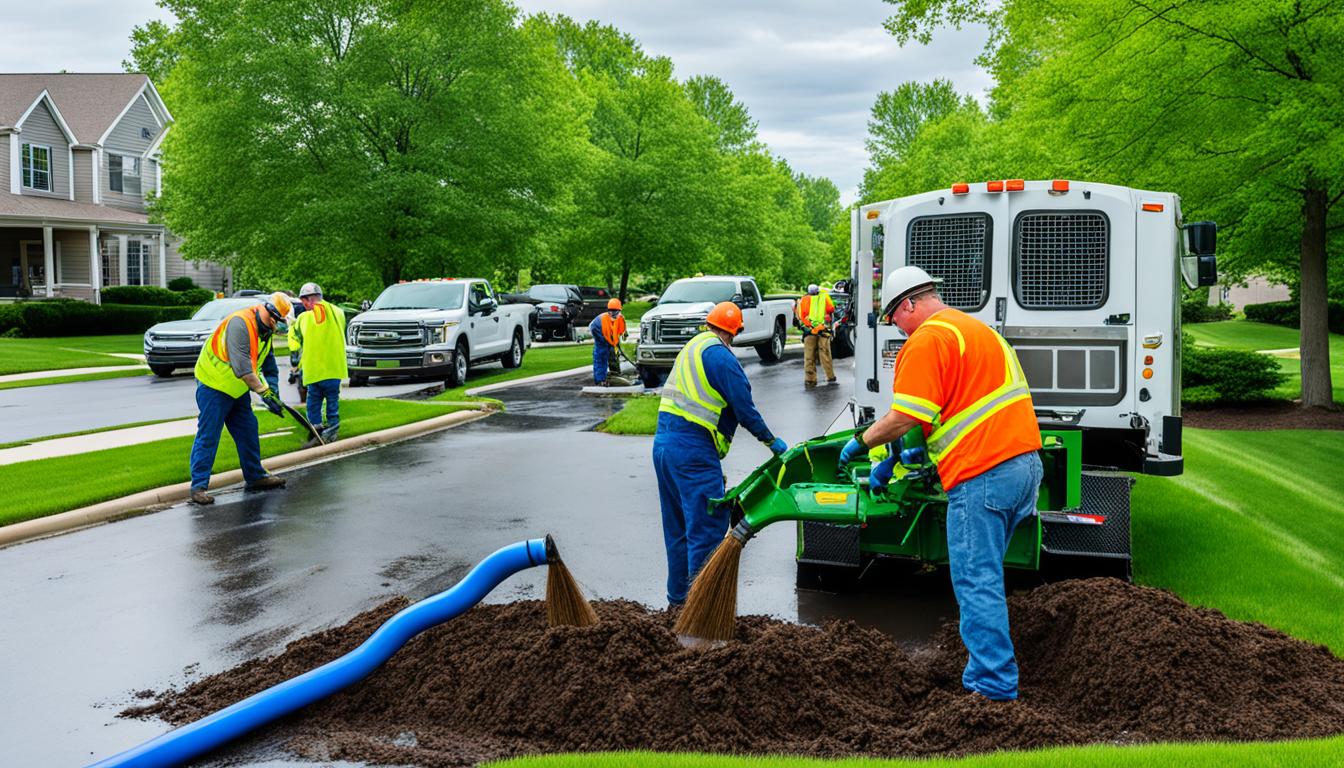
x: 830, y: 497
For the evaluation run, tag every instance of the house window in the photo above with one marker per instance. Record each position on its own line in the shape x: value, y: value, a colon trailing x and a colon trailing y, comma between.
x: 36, y: 166
x: 137, y: 261
x: 123, y: 174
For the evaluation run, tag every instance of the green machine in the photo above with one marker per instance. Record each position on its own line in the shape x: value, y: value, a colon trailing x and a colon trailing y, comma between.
x: 842, y: 523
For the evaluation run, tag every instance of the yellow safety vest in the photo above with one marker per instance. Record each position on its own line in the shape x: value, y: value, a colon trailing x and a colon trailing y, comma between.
x: 688, y: 393
x: 212, y: 365
x: 320, y: 334
x: 816, y: 309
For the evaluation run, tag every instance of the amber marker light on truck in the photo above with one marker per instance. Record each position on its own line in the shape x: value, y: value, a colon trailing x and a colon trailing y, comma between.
x: 1153, y: 207
x: 993, y: 186
x: 961, y: 188
x: 1015, y: 185
x: 872, y: 215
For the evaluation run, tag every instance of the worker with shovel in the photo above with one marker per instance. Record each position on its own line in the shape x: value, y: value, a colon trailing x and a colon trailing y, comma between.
x: 318, y: 336
x: 814, y: 314
x: 607, y: 330
x: 706, y: 396
x: 961, y: 383
x: 227, y: 369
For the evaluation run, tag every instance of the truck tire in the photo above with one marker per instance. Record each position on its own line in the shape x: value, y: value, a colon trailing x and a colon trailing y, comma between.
x: 457, y: 375
x: 772, y: 351
x: 162, y: 371
x: 359, y: 381
x: 842, y: 345
x: 514, y: 357
x: 649, y: 377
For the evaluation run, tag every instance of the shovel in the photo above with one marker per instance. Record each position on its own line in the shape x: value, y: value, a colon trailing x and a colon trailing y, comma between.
x: 303, y: 421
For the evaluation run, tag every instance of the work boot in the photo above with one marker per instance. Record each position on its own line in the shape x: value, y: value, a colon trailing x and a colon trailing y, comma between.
x: 199, y: 496
x: 809, y: 384
x: 831, y: 380
x: 266, y: 483
x: 330, y: 434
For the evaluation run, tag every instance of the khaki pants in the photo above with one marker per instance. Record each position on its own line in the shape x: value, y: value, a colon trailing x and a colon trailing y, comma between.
x: 814, y: 345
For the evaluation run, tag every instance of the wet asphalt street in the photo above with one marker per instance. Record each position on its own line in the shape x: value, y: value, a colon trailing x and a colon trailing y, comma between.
x: 89, y: 618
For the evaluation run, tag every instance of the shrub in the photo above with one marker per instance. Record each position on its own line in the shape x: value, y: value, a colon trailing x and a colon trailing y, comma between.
x: 1289, y: 313
x: 67, y: 317
x: 181, y: 284
x: 142, y: 295
x: 1224, y: 376
x: 195, y: 297
x: 1195, y: 308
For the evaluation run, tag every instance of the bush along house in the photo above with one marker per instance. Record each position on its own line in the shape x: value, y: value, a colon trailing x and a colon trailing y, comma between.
x: 79, y: 161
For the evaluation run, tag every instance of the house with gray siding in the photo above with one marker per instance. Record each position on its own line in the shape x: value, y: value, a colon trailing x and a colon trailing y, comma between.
x: 79, y: 161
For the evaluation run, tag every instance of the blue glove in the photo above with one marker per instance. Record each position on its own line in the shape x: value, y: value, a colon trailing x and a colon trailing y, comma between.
x: 881, y: 474
x: 272, y: 403
x: 852, y: 450
x: 779, y: 446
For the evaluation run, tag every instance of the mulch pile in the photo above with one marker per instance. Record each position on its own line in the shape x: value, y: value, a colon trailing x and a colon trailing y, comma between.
x: 1102, y: 661
x: 1271, y: 415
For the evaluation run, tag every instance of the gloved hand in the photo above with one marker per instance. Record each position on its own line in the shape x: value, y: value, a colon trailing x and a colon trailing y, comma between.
x: 852, y: 450
x: 881, y: 474
x: 272, y: 402
x: 779, y: 446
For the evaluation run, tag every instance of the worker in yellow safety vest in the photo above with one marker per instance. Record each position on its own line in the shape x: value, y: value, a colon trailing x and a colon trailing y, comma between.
x: 814, y: 315
x: 706, y: 396
x: 318, y: 336
x: 229, y: 367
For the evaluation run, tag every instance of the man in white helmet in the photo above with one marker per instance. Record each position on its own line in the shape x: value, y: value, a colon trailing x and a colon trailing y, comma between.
x: 961, y: 383
x: 814, y: 315
x: 318, y: 335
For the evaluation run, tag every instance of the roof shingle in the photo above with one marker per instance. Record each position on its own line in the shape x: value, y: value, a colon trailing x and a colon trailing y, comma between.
x: 88, y: 102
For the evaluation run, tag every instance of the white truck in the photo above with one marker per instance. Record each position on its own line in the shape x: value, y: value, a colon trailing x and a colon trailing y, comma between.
x: 1083, y: 280
x: 680, y: 314
x: 438, y: 327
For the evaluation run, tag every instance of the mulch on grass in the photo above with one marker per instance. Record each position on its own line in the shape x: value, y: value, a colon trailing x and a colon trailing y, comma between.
x: 1279, y: 414
x: 1102, y: 662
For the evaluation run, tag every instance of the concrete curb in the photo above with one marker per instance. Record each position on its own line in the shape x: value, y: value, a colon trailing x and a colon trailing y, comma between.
x: 145, y: 501
x: 529, y: 380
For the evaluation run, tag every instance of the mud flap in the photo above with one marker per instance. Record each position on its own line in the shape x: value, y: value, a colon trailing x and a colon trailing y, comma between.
x: 1100, y: 527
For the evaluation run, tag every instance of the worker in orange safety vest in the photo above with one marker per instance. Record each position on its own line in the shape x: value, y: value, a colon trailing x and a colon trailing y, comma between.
x: 608, y: 329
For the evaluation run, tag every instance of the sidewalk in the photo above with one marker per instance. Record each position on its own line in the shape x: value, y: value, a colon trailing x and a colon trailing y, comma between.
x: 31, y: 375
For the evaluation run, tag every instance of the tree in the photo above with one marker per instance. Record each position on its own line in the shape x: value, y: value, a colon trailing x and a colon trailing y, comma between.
x: 153, y: 52
x: 734, y: 128
x: 898, y: 115
x: 1236, y: 107
x: 821, y: 202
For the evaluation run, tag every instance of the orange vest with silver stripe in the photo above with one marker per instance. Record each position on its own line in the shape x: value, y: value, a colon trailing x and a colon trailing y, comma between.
x: 212, y: 365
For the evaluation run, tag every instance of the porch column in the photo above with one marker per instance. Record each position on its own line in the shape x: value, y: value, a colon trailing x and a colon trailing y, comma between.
x: 163, y: 260
x: 95, y: 266
x: 121, y: 259
x: 49, y: 261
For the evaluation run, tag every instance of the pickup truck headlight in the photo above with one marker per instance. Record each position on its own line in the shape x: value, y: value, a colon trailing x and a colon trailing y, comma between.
x: 201, y: 336
x: 438, y: 334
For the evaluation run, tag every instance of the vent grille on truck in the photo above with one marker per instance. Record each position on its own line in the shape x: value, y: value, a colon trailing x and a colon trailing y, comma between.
x: 1061, y: 260
x: 956, y: 249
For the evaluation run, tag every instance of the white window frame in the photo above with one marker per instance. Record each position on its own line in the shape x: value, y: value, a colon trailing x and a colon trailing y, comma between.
x: 141, y: 261
x: 121, y: 173
x: 26, y: 156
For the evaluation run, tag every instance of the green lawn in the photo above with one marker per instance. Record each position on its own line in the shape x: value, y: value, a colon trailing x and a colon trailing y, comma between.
x: 536, y: 361
x: 1245, y: 334
x: 639, y: 416
x: 99, y: 376
x: 26, y: 355
x: 116, y: 472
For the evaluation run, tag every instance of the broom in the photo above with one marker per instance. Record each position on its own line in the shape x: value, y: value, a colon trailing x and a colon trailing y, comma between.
x: 565, y: 604
x: 711, y: 606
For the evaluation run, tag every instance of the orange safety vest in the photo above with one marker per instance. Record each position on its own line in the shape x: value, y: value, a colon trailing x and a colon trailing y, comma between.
x: 221, y: 349
x: 613, y: 329
x: 212, y: 364
x: 963, y: 382
x: 805, y: 310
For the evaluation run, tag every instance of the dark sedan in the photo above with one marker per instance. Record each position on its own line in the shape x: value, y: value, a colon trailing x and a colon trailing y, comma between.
x: 558, y: 310
x: 177, y: 343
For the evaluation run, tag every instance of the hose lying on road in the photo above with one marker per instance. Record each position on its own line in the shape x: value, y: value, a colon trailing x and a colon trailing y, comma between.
x: 182, y: 744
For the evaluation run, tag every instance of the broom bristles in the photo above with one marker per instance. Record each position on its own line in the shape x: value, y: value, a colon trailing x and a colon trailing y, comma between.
x: 565, y: 604
x: 711, y: 606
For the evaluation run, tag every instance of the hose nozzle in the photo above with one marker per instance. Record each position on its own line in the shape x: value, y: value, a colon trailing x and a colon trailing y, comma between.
x: 742, y: 532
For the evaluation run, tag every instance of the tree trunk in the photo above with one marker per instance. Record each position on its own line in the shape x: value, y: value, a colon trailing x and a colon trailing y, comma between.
x: 625, y: 279
x: 1315, y: 341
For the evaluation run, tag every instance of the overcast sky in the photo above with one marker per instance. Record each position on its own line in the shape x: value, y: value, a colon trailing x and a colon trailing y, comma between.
x: 807, y: 69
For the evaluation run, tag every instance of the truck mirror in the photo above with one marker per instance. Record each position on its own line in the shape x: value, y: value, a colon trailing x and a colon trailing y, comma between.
x: 1208, y: 270
x: 739, y: 300
x: 1199, y: 267
x: 1201, y: 238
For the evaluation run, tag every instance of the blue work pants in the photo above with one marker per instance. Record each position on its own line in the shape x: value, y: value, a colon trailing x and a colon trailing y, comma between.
x: 218, y: 411
x: 328, y: 391
x: 982, y: 514
x: 601, y: 353
x: 689, y: 475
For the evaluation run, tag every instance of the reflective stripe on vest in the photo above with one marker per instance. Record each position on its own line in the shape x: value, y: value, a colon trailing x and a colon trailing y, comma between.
x: 688, y: 393
x: 816, y: 309
x: 946, y: 435
x: 212, y: 365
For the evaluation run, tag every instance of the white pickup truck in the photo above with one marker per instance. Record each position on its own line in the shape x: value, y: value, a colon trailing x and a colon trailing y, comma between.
x: 681, y: 311
x: 436, y: 327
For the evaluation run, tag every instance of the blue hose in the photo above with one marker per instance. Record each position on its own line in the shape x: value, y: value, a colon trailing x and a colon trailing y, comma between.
x: 182, y: 744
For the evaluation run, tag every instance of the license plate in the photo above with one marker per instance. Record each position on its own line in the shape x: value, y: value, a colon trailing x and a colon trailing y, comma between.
x: 387, y: 363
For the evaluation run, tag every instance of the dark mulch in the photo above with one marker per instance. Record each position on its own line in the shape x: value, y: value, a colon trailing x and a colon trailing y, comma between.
x: 1277, y: 414
x: 1102, y: 662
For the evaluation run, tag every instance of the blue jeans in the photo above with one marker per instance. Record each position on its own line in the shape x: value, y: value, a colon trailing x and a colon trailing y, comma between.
x: 329, y: 391
x: 601, y: 351
x: 218, y: 411
x: 688, y: 477
x: 982, y: 514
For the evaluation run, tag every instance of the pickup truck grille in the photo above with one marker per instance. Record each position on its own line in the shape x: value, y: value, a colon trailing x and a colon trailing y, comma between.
x: 389, y: 335
x: 671, y: 330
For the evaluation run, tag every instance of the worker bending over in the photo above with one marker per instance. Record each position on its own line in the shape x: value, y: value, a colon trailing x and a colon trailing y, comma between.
x: 961, y: 383
x: 814, y: 314
x: 706, y: 396
x: 318, y: 336
x: 607, y: 330
x: 227, y: 368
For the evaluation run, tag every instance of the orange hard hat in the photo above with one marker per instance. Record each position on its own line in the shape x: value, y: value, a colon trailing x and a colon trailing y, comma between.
x: 726, y: 316
x: 614, y: 304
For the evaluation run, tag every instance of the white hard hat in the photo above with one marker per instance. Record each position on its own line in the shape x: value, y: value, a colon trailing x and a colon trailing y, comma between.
x: 903, y: 282
x: 310, y: 289
x: 814, y: 289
